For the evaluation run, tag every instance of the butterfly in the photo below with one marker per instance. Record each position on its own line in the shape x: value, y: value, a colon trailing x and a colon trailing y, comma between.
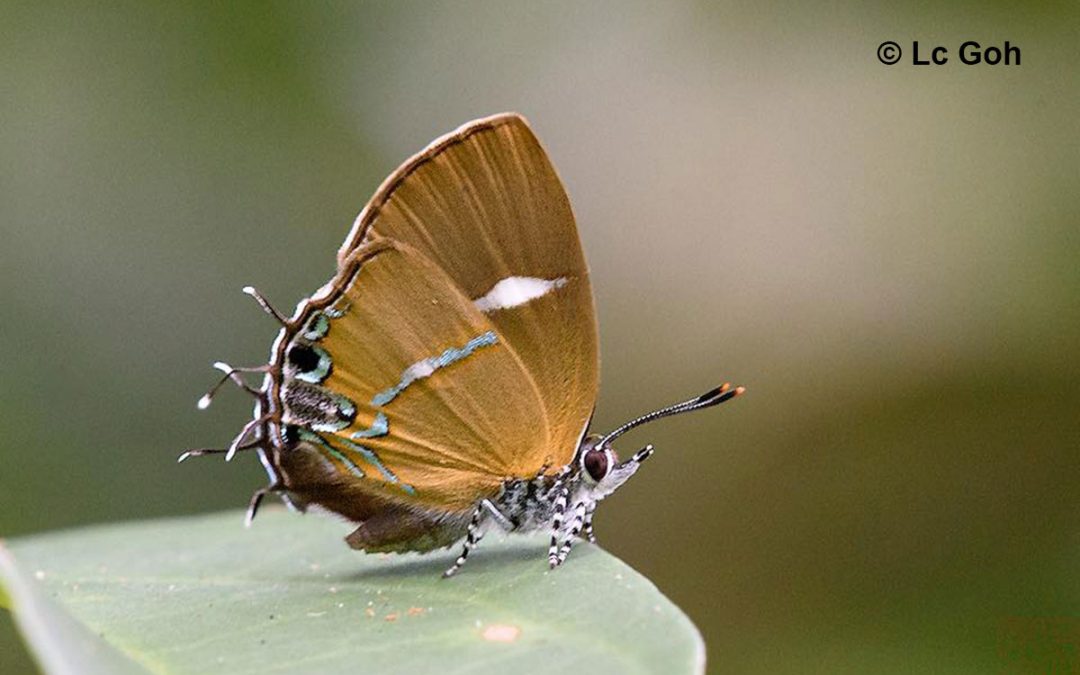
x: 442, y: 383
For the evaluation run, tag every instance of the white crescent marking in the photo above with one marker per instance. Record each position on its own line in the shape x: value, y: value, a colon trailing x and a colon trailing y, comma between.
x: 514, y: 291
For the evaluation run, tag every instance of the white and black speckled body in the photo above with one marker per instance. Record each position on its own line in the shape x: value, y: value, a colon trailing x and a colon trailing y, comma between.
x: 528, y: 504
x: 562, y: 503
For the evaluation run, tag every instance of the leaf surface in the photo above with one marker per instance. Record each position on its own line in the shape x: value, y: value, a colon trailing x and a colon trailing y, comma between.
x: 206, y: 595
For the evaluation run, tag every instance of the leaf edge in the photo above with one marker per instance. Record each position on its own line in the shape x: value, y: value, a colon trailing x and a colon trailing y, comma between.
x: 57, y: 641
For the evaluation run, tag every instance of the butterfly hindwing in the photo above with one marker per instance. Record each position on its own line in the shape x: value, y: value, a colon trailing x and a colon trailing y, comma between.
x: 402, y: 391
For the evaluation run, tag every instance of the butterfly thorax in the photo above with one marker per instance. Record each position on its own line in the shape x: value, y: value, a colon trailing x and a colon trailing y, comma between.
x: 528, y: 504
x: 564, y: 502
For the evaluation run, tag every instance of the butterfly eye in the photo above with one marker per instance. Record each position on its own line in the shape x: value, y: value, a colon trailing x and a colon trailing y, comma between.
x: 596, y: 464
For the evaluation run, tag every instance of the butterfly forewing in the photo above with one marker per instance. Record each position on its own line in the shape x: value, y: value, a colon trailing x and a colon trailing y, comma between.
x: 485, y: 204
x: 398, y: 380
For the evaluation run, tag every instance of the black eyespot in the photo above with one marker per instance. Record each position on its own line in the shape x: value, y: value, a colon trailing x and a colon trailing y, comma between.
x: 596, y: 463
x: 303, y: 357
x: 292, y: 434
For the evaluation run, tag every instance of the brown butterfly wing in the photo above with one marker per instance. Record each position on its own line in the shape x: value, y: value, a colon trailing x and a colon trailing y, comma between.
x: 422, y: 404
x: 484, y: 203
x: 386, y: 523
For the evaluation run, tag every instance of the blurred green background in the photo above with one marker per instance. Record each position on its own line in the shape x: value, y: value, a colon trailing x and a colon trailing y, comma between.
x: 888, y: 257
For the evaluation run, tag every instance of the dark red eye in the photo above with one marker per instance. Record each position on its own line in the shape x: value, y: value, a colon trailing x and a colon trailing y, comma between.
x: 596, y: 463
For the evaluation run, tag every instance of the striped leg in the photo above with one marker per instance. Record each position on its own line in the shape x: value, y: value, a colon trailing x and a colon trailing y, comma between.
x: 561, y: 490
x: 505, y: 523
x: 575, y: 529
x: 475, y: 534
x: 589, y: 534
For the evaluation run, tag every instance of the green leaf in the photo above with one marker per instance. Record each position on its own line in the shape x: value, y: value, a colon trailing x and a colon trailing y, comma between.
x: 206, y: 595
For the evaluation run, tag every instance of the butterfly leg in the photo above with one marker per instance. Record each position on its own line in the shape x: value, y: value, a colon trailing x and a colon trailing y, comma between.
x: 588, y: 528
x: 472, y: 538
x: 575, y: 528
x: 562, y: 491
x: 505, y: 523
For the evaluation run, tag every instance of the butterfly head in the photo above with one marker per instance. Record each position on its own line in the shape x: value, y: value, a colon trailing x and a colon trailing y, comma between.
x: 599, y: 467
x: 598, y: 464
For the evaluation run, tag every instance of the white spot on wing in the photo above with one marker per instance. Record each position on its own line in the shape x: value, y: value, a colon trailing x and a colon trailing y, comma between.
x: 419, y: 370
x: 514, y: 291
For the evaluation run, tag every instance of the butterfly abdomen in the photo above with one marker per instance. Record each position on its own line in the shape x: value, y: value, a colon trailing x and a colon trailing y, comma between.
x: 398, y: 529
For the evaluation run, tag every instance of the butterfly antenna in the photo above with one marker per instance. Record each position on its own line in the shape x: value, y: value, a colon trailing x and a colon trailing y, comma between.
x: 233, y: 374
x: 710, y: 398
x: 267, y: 307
